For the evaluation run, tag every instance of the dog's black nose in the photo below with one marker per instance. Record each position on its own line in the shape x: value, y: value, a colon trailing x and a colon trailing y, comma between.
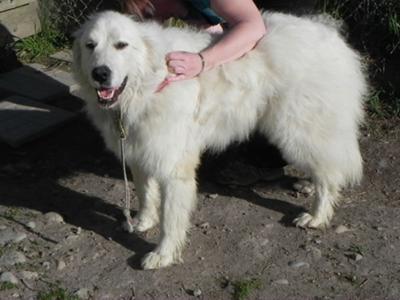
x: 101, y: 74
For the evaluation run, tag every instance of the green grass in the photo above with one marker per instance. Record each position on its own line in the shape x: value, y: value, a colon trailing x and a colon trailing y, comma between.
x: 56, y: 294
x: 12, y: 213
x: 374, y: 30
x: 243, y: 288
x: 375, y: 105
x: 49, y: 40
x: 7, y: 286
x: 175, y: 22
x: 357, y: 249
x: 43, y: 44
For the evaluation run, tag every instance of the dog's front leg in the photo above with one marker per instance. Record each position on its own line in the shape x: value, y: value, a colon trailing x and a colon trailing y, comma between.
x: 178, y: 201
x: 147, y: 190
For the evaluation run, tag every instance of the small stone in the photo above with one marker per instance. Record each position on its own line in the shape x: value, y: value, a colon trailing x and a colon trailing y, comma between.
x: 77, y: 230
x: 282, y: 281
x: 53, y: 217
x: 12, y: 258
x: 61, y: 265
x: 378, y: 228
x: 9, y: 277
x: 204, y: 226
x: 31, y: 225
x: 96, y: 255
x: 29, y: 275
x: 358, y: 257
x: 63, y: 55
x: 264, y: 242
x: 72, y: 237
x: 341, y: 229
x: 298, y: 264
x: 212, y: 196
x: 355, y: 256
x: 83, y: 293
x: 46, y: 265
x: 197, y: 292
x: 316, y: 254
x: 10, y: 236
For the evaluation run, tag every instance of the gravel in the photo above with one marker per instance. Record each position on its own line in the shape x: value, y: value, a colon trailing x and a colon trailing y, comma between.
x: 29, y: 275
x: 9, y: 235
x: 298, y: 264
x: 61, y: 265
x: 197, y: 292
x: 83, y: 293
x: 53, y: 217
x: 341, y: 229
x: 9, y: 277
x: 31, y: 225
x: 282, y: 281
x: 12, y: 258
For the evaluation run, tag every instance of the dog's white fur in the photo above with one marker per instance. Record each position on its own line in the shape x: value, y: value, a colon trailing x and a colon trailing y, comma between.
x: 302, y: 87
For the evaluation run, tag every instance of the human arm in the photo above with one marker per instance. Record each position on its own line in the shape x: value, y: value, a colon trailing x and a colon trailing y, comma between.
x: 246, y: 29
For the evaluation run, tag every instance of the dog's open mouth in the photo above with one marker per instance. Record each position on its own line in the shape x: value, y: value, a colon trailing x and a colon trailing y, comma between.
x: 108, y: 96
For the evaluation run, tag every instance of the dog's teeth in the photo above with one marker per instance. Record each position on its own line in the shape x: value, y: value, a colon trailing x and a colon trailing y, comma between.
x: 106, y: 93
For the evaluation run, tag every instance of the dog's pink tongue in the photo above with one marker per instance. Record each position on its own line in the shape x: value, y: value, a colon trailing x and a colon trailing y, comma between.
x: 106, y: 93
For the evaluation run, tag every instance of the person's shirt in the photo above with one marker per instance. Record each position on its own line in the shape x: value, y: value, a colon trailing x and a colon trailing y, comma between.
x: 202, y: 8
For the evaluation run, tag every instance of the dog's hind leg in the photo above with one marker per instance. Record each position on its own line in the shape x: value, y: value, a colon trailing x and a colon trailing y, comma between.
x: 330, y: 170
x: 322, y: 209
x: 148, y: 192
x: 178, y: 201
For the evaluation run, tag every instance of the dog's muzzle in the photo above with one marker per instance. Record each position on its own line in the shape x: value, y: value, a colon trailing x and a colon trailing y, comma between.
x: 107, y: 96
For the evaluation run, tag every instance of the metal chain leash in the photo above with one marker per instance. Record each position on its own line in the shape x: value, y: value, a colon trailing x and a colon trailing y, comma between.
x: 127, y: 225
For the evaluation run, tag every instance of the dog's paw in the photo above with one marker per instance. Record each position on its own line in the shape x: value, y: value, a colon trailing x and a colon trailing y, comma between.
x: 155, y: 260
x: 306, y: 220
x: 142, y: 224
x: 304, y: 187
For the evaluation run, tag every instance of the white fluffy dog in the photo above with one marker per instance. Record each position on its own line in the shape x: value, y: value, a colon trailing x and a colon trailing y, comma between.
x: 302, y: 87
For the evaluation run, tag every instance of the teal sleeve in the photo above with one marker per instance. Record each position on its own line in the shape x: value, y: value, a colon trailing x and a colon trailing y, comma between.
x: 204, y: 8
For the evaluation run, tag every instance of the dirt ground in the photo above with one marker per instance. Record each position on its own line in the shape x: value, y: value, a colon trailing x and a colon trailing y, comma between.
x: 241, y: 245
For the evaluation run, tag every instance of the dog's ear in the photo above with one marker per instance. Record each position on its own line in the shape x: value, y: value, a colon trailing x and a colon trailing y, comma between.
x: 77, y: 55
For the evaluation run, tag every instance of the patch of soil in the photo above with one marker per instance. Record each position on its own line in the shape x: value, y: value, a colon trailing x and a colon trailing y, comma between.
x: 240, y: 233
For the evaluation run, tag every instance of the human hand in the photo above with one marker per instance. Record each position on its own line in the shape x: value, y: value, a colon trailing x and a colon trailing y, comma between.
x: 183, y: 65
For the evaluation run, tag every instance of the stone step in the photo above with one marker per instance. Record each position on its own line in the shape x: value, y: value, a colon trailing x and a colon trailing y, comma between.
x: 63, y: 55
x: 23, y: 119
x: 37, y: 82
x: 19, y: 18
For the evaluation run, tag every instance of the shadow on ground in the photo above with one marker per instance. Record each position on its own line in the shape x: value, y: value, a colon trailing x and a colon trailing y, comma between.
x: 30, y: 178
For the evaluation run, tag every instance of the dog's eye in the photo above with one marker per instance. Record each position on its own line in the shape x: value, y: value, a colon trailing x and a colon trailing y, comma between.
x: 120, y: 45
x: 90, y: 45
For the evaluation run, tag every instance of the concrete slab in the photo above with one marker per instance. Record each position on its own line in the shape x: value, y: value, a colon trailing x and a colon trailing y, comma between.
x: 20, y: 18
x: 64, y: 55
x: 37, y: 82
x: 23, y: 119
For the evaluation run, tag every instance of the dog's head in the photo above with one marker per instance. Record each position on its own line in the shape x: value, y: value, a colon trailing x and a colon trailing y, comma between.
x: 108, y: 51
